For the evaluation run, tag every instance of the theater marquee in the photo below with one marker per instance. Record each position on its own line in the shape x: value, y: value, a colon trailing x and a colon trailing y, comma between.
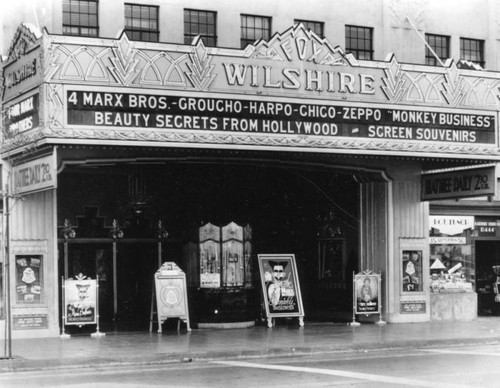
x: 295, y: 91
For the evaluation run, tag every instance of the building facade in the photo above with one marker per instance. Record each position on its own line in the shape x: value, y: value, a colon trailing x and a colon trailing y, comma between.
x: 164, y: 136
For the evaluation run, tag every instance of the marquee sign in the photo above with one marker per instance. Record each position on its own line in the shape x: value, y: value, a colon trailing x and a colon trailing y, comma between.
x: 295, y: 90
x: 181, y: 112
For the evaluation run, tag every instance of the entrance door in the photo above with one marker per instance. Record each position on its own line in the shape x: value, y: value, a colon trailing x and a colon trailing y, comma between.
x: 487, y: 256
x: 136, y: 263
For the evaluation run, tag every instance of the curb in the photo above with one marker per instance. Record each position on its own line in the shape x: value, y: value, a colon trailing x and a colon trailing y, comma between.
x: 26, y: 365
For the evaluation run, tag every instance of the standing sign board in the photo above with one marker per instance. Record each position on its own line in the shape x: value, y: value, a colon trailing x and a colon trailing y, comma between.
x: 367, y: 293
x: 280, y: 286
x: 366, y: 288
x: 171, y: 295
x: 81, y: 303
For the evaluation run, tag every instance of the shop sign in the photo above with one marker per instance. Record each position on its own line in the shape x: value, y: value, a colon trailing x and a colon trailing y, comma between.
x: 412, y: 307
x: 35, y: 175
x: 280, y: 286
x: 80, y: 301
x: 486, y: 226
x: 20, y: 117
x: 447, y: 240
x: 22, y: 74
x: 474, y: 182
x: 29, y: 322
x: 106, y: 109
x: 366, y: 288
x: 450, y: 225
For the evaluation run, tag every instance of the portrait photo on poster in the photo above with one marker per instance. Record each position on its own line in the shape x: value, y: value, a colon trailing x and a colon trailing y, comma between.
x: 80, y: 302
x: 280, y: 285
x: 366, y: 289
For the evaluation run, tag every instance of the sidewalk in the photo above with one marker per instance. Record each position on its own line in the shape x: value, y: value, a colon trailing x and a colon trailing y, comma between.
x: 206, y: 344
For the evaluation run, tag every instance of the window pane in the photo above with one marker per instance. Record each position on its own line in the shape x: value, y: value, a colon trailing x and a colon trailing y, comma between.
x: 200, y: 23
x: 141, y: 22
x: 359, y: 41
x: 254, y: 28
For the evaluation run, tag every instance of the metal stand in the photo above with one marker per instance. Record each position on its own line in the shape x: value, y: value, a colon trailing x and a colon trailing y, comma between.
x: 354, y: 323
x: 63, y: 334
x: 154, y: 313
x: 380, y: 322
x: 271, y: 322
x: 97, y: 333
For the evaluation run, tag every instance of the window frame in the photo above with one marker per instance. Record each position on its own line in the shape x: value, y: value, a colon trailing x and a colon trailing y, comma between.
x: 430, y: 59
x: 481, y: 62
x: 245, y: 41
x: 77, y: 29
x: 307, y: 24
x: 140, y: 33
x: 357, y: 51
x: 209, y: 40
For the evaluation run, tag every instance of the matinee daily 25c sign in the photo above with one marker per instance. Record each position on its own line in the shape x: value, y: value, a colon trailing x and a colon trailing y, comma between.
x: 165, y: 111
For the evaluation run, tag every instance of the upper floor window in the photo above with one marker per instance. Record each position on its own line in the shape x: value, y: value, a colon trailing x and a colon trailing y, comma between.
x: 254, y: 28
x: 441, y: 46
x: 80, y: 17
x: 472, y: 50
x: 202, y: 23
x: 359, y: 41
x: 141, y: 22
x: 317, y: 27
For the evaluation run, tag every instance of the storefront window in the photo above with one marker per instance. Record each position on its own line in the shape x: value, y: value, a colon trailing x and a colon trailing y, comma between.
x: 451, y: 266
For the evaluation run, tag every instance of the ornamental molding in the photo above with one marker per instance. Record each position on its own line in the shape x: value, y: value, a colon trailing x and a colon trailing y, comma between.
x: 306, y: 142
x: 197, y: 68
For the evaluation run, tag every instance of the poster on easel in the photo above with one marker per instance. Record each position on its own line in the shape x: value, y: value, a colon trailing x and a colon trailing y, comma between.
x: 280, y: 287
x: 366, y: 288
x: 170, y: 295
x: 367, y: 293
x: 80, y: 301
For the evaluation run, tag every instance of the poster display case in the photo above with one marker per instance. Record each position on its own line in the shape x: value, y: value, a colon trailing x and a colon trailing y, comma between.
x: 29, y: 286
x: 280, y: 287
x: 210, y: 252
x: 413, y: 254
x: 233, y: 270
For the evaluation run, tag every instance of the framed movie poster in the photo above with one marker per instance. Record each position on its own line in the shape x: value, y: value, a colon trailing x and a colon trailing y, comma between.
x: 80, y: 300
x: 412, y: 270
x: 29, y: 287
x: 366, y: 288
x: 280, y: 286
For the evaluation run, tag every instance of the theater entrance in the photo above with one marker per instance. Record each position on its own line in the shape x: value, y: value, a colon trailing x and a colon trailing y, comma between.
x: 309, y: 210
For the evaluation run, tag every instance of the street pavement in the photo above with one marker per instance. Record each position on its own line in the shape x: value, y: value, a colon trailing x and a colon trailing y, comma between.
x: 284, y: 339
